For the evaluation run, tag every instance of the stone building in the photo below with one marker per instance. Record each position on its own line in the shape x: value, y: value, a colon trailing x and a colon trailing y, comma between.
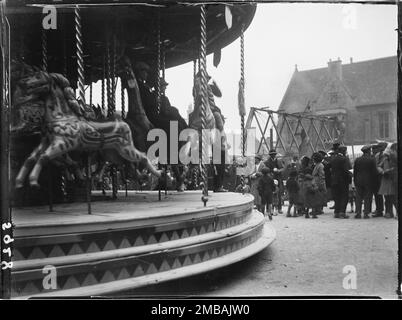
x: 360, y: 95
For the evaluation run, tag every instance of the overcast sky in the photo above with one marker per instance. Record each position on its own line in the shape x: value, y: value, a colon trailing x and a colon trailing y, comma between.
x: 282, y: 35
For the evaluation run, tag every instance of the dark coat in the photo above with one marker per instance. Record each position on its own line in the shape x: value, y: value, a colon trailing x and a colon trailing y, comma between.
x: 266, y: 187
x: 312, y: 196
x: 388, y: 170
x: 293, y: 188
x: 340, y: 166
x: 278, y: 164
x: 365, y: 171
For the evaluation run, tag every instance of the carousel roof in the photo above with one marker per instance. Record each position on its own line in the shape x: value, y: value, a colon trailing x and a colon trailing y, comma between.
x: 129, y: 29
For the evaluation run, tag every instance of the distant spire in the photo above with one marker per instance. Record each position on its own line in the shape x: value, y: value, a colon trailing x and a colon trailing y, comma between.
x: 296, y: 67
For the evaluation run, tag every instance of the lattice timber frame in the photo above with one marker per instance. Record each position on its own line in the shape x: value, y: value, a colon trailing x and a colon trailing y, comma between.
x: 292, y: 134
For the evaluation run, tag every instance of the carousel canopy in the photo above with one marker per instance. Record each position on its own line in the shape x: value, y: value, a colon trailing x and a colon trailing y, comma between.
x: 126, y: 29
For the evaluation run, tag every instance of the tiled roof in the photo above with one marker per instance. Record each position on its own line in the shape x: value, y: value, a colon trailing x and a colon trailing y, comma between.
x: 368, y: 82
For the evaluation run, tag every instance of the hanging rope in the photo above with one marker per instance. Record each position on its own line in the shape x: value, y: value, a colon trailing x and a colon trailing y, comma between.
x: 204, y: 101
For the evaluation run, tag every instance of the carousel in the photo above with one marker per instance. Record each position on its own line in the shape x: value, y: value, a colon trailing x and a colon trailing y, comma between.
x: 65, y: 232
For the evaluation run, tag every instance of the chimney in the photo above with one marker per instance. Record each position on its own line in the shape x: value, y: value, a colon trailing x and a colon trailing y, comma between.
x: 335, y: 68
x: 351, y: 60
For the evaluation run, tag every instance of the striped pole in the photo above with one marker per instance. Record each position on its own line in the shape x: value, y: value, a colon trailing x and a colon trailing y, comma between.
x: 44, y: 50
x: 103, y: 103
x: 204, y: 101
x: 80, y: 56
x: 243, y: 134
x: 81, y: 91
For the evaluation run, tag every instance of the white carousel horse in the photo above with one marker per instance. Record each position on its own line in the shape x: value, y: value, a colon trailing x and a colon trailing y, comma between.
x: 67, y: 130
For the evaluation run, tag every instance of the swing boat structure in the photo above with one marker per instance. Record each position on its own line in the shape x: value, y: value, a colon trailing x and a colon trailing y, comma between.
x: 136, y: 240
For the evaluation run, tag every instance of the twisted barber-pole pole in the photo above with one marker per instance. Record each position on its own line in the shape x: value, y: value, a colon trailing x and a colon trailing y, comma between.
x: 242, y: 110
x: 204, y: 101
x: 50, y: 182
x: 44, y: 50
x: 81, y: 90
x: 80, y: 58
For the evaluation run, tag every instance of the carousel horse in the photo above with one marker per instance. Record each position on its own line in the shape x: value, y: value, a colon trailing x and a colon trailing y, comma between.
x: 136, y: 117
x: 67, y: 129
x: 139, y: 122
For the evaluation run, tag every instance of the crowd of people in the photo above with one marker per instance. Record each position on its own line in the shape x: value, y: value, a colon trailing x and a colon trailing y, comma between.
x: 309, y: 184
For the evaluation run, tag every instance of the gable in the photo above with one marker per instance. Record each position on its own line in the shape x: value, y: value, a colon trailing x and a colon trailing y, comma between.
x: 333, y: 96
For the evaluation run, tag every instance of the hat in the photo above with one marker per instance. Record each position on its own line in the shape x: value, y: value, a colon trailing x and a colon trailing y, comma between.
x: 273, y: 151
x: 366, y: 148
x: 322, y: 152
x: 331, y: 152
x: 142, y: 66
x: 335, y: 145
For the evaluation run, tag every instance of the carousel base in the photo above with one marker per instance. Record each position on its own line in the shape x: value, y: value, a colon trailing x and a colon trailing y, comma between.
x: 131, y: 242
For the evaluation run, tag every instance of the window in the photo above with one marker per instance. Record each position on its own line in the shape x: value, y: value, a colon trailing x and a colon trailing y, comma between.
x: 383, y: 128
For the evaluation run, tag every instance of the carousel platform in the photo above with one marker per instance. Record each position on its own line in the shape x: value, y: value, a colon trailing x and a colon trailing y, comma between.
x: 131, y: 242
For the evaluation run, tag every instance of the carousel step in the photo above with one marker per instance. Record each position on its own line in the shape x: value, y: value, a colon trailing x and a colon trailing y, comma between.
x: 110, y: 238
x: 136, y: 250
x: 104, y: 272
x: 264, y: 240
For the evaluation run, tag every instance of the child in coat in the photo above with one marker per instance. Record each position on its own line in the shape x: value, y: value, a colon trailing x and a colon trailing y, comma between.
x: 293, y: 188
x: 266, y: 188
x: 312, y: 198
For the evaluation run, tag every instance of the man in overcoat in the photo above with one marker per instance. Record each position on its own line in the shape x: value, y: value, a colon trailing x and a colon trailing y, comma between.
x: 364, y: 175
x: 340, y: 180
x: 277, y: 167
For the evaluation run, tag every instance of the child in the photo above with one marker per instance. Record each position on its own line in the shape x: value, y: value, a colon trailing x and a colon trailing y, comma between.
x: 293, y: 188
x: 266, y: 188
x: 311, y: 196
